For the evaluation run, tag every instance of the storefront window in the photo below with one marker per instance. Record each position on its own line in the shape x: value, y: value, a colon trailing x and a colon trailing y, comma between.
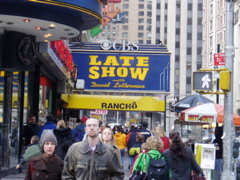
x: 1, y: 115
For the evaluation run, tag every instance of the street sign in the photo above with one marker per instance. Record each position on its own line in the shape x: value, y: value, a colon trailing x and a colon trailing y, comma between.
x: 202, y: 81
x: 219, y: 59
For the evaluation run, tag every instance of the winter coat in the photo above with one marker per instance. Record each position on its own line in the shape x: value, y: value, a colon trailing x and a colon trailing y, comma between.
x: 30, y: 151
x: 50, y: 169
x: 64, y: 140
x: 146, y: 133
x: 30, y: 130
x: 139, y: 163
x: 80, y: 163
x: 181, y: 170
x: 47, y: 125
x: 120, y: 139
x: 166, y: 143
x: 80, y: 128
x: 131, y: 138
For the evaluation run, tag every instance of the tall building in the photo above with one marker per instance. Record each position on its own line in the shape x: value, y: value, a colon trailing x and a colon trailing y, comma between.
x: 177, y: 24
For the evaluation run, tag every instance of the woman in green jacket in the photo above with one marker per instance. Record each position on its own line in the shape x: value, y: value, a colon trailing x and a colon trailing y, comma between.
x: 153, y: 144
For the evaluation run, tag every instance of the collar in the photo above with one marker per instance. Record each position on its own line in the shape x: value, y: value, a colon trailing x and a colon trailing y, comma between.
x: 100, y: 148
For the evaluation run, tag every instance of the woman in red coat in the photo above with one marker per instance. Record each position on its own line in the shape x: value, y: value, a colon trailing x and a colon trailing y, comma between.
x: 160, y: 132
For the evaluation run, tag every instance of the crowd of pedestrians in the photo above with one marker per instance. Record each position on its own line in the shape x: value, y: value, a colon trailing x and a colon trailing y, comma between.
x: 92, y: 150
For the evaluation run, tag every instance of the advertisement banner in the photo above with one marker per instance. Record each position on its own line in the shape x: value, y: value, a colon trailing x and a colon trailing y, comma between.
x: 128, y: 71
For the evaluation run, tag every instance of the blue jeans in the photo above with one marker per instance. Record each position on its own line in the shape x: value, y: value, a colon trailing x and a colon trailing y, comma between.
x: 122, y: 155
x: 130, y: 159
x: 219, y: 165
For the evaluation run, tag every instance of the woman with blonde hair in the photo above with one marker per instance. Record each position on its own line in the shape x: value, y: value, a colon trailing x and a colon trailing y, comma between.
x: 160, y: 133
x: 64, y: 138
x: 153, y: 144
x: 107, y: 137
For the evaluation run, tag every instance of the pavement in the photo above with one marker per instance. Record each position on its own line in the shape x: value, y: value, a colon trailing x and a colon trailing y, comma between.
x: 22, y: 175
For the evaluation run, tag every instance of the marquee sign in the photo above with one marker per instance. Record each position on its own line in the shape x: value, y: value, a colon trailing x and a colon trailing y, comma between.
x: 118, y: 70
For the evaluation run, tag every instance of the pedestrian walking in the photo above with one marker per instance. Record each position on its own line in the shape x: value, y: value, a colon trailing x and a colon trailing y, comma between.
x: 30, y: 151
x: 160, y: 133
x: 48, y: 127
x: 79, y: 131
x: 64, y: 138
x: 218, y: 142
x: 131, y: 140
x: 91, y: 159
x: 107, y: 137
x: 180, y: 159
x: 46, y: 165
x: 120, y: 138
x: 144, y: 131
x: 32, y: 128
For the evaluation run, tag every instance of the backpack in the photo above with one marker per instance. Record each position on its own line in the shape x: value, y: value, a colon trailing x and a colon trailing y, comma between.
x: 79, y: 134
x: 157, y: 169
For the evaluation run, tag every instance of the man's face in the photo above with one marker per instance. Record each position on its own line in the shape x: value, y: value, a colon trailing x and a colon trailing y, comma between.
x: 33, y: 120
x: 92, y: 127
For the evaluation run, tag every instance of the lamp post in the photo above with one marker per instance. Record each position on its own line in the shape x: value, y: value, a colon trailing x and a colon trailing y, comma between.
x: 228, y: 166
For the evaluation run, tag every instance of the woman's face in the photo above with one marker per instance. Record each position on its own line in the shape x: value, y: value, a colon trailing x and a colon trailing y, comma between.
x: 49, y: 148
x: 107, y: 135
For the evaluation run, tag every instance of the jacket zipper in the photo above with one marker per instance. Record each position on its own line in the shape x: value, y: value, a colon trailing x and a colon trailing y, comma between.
x: 91, y: 166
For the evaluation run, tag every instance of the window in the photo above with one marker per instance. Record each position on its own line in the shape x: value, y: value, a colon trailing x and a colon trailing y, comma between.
x: 177, y: 18
x: 140, y: 34
x: 140, y: 27
x: 158, y: 30
x: 211, y: 25
x: 177, y: 58
x: 188, y: 80
x: 210, y: 41
x: 189, y: 21
x: 125, y: 6
x: 210, y: 58
x: 141, y: 13
x: 189, y: 66
x: 108, y: 33
x: 189, y: 51
x: 189, y: 7
x: 177, y: 31
x: 140, y: 41
x: 166, y: 6
x: 141, y: 0
x: 125, y: 34
x: 126, y: 20
x: 149, y: 28
x: 149, y: 6
x: 199, y: 36
x: 149, y: 35
x: 158, y: 17
x: 149, y: 13
x: 189, y: 36
x: 141, y: 20
x: 199, y: 51
x: 148, y: 42
x: 211, y: 9
x: 177, y: 45
x: 141, y: 6
x: 149, y: 21
x: 158, y: 5
x: 125, y: 27
x: 199, y: 21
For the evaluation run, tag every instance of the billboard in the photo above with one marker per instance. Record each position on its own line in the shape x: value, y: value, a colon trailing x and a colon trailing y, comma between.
x: 128, y: 71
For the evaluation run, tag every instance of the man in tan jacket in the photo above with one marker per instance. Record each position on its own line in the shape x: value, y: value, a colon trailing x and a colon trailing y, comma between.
x: 91, y: 159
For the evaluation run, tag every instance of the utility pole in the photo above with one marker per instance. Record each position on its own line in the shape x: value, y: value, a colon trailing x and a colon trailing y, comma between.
x: 228, y: 165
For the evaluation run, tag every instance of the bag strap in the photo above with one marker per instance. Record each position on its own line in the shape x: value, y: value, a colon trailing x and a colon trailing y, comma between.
x: 31, y: 167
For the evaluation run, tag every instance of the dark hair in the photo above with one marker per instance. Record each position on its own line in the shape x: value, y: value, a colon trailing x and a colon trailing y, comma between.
x: 119, y: 128
x: 49, y: 118
x: 177, y: 147
x: 145, y: 124
x: 219, y: 132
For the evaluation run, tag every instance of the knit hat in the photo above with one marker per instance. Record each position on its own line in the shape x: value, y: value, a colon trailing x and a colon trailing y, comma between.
x: 84, y: 119
x: 49, y: 137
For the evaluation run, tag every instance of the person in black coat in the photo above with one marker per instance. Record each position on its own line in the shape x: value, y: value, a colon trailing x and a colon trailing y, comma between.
x: 64, y: 139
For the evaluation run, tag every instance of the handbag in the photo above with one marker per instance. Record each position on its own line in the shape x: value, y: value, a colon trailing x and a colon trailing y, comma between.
x: 195, y: 176
x: 139, y: 175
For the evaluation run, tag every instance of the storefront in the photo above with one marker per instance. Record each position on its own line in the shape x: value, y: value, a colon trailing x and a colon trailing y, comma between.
x: 33, y: 75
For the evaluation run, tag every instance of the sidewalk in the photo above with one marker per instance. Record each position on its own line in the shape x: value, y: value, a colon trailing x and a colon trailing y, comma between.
x: 22, y: 175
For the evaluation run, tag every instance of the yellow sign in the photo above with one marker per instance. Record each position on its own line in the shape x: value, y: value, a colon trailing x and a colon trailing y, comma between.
x: 124, y: 103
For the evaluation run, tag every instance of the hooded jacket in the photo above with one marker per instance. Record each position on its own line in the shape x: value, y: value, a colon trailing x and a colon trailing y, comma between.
x: 64, y: 140
x: 120, y: 139
x: 80, y: 163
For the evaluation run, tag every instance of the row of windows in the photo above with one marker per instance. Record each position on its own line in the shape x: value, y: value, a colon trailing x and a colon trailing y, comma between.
x: 141, y: 13
x: 140, y: 6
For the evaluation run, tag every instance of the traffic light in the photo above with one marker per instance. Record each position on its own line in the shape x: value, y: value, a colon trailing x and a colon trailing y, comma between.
x: 236, y: 145
x: 225, y: 80
x: 202, y: 81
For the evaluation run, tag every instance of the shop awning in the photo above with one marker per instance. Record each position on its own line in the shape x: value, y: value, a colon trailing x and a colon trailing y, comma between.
x: 117, y: 103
